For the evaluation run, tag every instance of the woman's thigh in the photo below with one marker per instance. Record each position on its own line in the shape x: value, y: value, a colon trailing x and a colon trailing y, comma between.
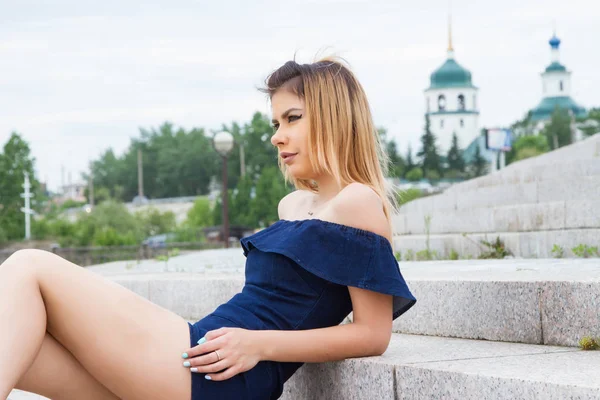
x: 129, y: 344
x: 56, y: 374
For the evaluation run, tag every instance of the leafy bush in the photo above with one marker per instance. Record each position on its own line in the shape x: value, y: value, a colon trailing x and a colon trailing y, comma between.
x: 496, y: 249
x: 453, y: 255
x: 200, y: 215
x: 109, y: 224
x: 433, y: 175
x: 585, y: 251
x: 558, y: 251
x: 589, y: 343
x: 153, y: 222
x: 415, y: 174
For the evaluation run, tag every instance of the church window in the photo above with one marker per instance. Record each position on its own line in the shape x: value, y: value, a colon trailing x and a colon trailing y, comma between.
x: 462, y: 123
x: 461, y: 102
x: 561, y: 86
x: 441, y: 102
x: 474, y: 102
x: 441, y: 123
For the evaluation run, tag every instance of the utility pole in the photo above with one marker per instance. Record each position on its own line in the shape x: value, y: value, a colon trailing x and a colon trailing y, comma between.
x: 62, y: 179
x: 242, y: 161
x: 140, y: 175
x: 91, y: 187
x: 27, y: 209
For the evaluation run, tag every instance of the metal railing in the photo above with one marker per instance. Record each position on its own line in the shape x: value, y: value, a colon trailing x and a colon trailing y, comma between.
x: 86, y: 256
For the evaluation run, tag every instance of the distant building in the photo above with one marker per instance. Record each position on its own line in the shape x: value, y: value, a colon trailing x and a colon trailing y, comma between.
x: 451, y: 102
x: 72, y: 191
x: 556, y: 89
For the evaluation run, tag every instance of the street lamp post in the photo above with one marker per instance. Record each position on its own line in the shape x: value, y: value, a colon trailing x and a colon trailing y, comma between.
x: 223, y: 143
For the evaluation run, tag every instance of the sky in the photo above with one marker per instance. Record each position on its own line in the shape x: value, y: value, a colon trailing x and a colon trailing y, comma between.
x: 78, y: 77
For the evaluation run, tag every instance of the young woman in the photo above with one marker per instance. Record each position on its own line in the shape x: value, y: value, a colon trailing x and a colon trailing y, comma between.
x: 67, y: 333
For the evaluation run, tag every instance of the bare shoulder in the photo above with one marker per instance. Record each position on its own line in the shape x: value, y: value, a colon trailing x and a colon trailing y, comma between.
x: 359, y: 206
x: 289, y: 202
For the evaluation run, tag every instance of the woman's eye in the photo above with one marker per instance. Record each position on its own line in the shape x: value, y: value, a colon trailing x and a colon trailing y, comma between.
x: 294, y: 117
x: 275, y: 126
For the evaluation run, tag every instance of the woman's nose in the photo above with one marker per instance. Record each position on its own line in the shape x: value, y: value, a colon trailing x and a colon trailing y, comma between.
x: 278, y: 138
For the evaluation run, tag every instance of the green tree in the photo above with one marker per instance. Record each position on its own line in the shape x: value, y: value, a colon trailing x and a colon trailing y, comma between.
x: 155, y: 222
x: 558, y: 130
x: 428, y: 154
x: 175, y: 163
x: 530, y: 146
x: 217, y: 210
x: 396, y: 163
x: 270, y: 188
x: 108, y: 224
x: 455, y: 158
x: 593, y: 122
x: 479, y: 165
x: 241, y: 203
x: 410, y: 163
x: 259, y: 153
x: 200, y: 215
x: 15, y: 161
x: 415, y: 174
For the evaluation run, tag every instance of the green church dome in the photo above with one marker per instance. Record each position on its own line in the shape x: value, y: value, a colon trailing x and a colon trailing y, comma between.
x: 450, y: 74
x: 555, y: 67
x: 544, y: 110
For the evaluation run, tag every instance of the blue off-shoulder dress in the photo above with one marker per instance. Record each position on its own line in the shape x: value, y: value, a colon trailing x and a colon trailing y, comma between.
x: 297, y: 277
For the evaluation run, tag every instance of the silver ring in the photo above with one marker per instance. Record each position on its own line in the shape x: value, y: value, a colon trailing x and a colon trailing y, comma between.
x: 218, y: 357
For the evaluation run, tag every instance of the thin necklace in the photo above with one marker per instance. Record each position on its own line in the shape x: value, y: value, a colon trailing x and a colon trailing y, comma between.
x: 310, y: 212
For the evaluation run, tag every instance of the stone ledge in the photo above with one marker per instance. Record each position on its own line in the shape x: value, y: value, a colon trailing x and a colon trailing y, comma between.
x: 506, y: 300
x: 535, y: 244
x: 420, y: 367
x: 570, y: 214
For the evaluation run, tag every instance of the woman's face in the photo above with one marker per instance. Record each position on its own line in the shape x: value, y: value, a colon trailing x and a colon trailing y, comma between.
x: 291, y: 126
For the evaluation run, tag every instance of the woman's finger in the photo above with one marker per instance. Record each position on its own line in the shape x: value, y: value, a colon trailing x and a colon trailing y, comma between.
x: 214, y: 367
x: 204, y: 348
x: 228, y: 373
x: 206, y: 359
x: 212, y: 335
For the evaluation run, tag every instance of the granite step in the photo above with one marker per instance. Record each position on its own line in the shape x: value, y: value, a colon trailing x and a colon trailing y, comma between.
x: 535, y: 301
x: 420, y: 367
x: 556, y: 215
x: 560, y: 188
x: 576, y: 160
x: 532, y: 245
x: 549, y: 304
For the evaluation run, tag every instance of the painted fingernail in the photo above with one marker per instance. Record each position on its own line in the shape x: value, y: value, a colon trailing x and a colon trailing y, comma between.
x: 208, y: 378
x: 186, y: 364
x: 185, y: 355
x: 194, y: 369
x: 202, y: 340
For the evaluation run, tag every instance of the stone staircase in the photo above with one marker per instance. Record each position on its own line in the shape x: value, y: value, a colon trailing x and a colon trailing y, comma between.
x: 481, y: 329
x: 531, y: 205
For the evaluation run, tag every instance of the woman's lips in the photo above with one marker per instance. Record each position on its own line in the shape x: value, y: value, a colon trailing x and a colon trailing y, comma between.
x: 288, y: 158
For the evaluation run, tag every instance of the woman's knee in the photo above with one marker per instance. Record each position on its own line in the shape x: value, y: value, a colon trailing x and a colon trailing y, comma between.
x: 27, y: 259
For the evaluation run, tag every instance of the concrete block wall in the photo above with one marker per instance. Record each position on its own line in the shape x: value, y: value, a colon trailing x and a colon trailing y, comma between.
x: 537, y: 199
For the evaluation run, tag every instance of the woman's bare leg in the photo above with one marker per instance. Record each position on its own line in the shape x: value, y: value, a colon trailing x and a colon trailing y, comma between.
x: 56, y: 374
x: 130, y: 345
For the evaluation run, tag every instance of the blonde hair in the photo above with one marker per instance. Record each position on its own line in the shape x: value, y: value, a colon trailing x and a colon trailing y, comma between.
x: 343, y: 140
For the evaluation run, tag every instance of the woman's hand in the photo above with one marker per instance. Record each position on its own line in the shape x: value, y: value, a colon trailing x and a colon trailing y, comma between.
x: 230, y: 350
